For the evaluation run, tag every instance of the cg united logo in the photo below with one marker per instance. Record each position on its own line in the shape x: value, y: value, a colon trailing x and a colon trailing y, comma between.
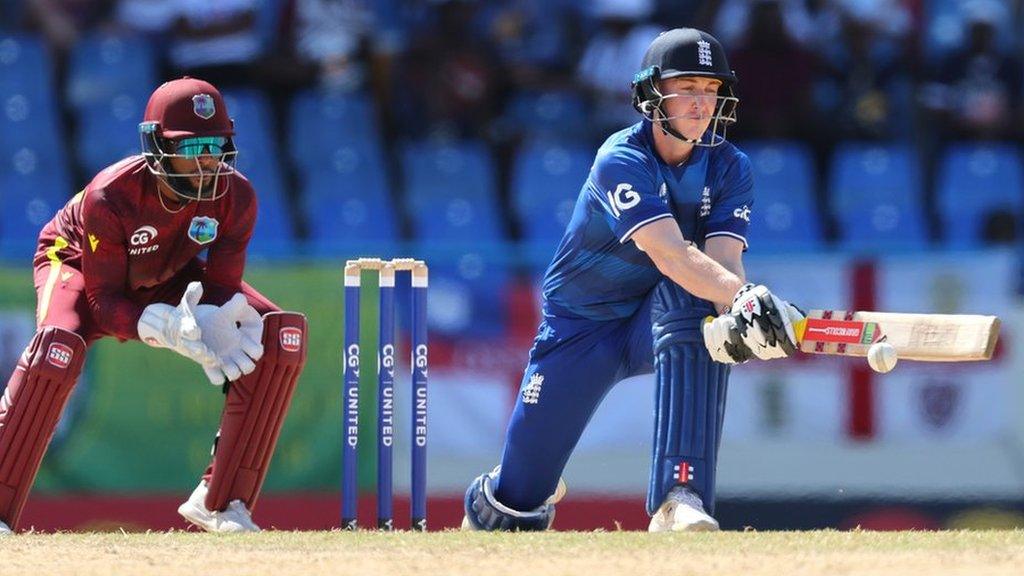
x: 140, y: 241
x: 291, y: 339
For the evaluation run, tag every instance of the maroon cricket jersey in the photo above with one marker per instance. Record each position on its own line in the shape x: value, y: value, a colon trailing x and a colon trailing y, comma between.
x: 127, y: 244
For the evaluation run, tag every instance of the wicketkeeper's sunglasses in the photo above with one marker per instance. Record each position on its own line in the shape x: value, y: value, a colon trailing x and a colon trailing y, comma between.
x: 200, y: 145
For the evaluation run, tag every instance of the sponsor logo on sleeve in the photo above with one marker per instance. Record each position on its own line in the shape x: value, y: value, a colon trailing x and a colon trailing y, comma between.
x: 743, y: 213
x: 94, y: 242
x: 623, y: 198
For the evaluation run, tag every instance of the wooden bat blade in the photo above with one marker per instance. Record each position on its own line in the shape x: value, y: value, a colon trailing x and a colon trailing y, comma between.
x: 923, y: 337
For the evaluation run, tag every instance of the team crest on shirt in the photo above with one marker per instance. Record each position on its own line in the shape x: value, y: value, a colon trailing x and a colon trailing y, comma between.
x: 705, y: 203
x: 203, y: 229
x: 202, y: 105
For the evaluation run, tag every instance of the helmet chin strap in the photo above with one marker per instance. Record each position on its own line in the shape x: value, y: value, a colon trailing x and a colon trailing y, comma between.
x: 665, y: 125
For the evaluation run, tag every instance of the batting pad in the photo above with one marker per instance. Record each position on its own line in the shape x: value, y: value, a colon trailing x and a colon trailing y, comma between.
x: 689, y: 411
x: 29, y: 411
x: 254, y: 412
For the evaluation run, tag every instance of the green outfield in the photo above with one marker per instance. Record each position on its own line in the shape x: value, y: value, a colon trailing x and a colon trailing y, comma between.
x: 367, y: 553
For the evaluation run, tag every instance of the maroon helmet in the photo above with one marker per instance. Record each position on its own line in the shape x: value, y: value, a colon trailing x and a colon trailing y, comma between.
x: 187, y: 119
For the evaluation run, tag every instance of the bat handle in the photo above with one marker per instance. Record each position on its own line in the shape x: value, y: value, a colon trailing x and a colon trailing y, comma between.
x: 799, y: 327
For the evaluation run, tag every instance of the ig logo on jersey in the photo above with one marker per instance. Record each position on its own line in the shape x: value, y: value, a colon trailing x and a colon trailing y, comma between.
x: 623, y: 198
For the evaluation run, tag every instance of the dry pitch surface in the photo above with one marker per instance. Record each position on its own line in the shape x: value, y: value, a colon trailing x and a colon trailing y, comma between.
x: 589, y: 554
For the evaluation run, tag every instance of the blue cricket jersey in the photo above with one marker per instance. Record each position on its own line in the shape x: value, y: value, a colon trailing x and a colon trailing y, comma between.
x: 597, y: 273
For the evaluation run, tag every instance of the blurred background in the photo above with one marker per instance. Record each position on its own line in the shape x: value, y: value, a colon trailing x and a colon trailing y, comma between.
x: 886, y: 140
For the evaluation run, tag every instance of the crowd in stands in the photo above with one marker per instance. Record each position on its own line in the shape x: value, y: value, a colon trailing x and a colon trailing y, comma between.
x: 868, y: 121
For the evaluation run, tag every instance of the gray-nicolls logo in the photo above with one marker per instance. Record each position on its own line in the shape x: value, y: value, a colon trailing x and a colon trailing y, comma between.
x: 531, y: 392
x: 704, y: 53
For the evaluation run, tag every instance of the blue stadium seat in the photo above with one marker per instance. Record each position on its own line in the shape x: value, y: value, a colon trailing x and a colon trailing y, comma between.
x: 546, y: 180
x: 876, y: 198
x: 348, y: 206
x: 27, y: 122
x: 30, y: 194
x: 467, y: 295
x: 258, y: 161
x: 109, y: 131
x: 558, y: 114
x: 25, y: 66
x: 974, y: 181
x: 785, y: 215
x: 450, y: 193
x: 320, y: 124
x: 103, y: 66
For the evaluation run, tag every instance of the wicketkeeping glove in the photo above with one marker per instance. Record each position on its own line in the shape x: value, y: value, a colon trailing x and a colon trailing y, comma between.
x: 233, y: 332
x: 175, y: 327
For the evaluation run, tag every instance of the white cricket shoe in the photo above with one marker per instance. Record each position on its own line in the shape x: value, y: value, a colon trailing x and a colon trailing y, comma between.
x: 5, y: 529
x: 236, y: 518
x: 682, y: 511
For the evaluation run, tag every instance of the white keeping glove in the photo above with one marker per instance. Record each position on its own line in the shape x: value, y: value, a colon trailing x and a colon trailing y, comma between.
x: 233, y: 332
x: 175, y: 327
x: 765, y: 322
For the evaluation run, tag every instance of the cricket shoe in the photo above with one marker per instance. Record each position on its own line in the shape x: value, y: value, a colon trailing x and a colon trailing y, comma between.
x: 5, y: 529
x: 235, y: 518
x: 555, y: 498
x: 682, y: 511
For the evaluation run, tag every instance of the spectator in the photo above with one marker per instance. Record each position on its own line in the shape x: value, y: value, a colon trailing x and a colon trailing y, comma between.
x: 61, y: 22
x: 152, y: 18
x: 734, y: 20
x: 331, y: 37
x: 216, y: 41
x: 775, y: 74
x: 864, y: 90
x: 450, y: 80
x: 976, y: 90
x: 530, y: 36
x: 612, y: 56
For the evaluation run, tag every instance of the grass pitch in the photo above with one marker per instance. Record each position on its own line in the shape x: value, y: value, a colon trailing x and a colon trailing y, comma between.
x: 577, y: 553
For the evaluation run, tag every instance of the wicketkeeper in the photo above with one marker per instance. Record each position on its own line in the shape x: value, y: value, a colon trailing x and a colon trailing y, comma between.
x: 122, y: 259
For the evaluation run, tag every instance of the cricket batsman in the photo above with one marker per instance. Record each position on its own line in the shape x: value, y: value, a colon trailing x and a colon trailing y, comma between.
x: 654, y: 247
x: 123, y: 259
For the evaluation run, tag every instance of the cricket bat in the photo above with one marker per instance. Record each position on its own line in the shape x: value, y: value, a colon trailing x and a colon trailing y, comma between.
x: 923, y: 337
